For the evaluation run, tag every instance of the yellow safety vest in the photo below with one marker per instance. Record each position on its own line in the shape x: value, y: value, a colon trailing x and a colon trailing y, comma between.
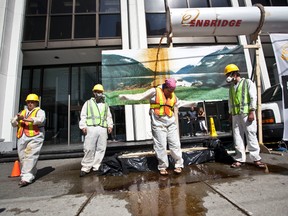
x: 239, y: 98
x: 163, y: 106
x: 94, y: 117
x: 28, y: 128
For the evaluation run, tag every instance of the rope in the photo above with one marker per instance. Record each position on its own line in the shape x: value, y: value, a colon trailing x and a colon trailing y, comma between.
x: 157, y: 57
x: 261, y: 23
x: 167, y: 34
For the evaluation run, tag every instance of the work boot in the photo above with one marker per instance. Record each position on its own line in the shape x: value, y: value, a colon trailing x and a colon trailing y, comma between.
x: 23, y: 183
x: 83, y: 173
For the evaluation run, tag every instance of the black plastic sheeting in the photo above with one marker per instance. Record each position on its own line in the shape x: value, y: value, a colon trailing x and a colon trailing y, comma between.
x: 118, y: 164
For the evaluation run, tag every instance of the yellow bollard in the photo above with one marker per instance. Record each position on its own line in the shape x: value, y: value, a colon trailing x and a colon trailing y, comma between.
x: 213, y: 132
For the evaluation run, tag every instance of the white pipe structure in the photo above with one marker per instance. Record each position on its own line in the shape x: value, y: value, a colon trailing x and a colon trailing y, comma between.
x: 228, y: 21
x: 232, y: 22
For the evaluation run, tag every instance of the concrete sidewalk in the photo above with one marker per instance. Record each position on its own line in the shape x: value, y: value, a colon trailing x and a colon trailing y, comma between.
x: 204, y: 189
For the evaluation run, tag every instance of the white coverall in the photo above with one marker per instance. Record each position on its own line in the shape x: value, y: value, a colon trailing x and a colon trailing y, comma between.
x: 95, y: 140
x: 29, y: 147
x: 164, y: 130
x: 241, y: 126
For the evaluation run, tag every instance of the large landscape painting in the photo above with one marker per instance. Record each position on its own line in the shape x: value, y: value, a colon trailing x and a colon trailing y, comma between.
x: 198, y: 71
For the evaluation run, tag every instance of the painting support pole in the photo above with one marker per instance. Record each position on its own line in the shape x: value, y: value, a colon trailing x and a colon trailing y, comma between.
x: 256, y: 46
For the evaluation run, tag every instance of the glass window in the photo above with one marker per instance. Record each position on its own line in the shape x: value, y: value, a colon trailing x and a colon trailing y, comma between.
x: 263, y: 2
x: 272, y: 94
x: 109, y: 25
x: 25, y: 87
x: 55, y: 84
x: 60, y: 20
x: 36, y: 7
x: 88, y: 77
x: 60, y: 27
x: 220, y: 3
x: 35, y: 28
x: 198, y: 3
x: 109, y: 5
x: 85, y: 6
x: 61, y: 6
x: 85, y: 26
x: 241, y: 3
x: 36, y: 80
x: 279, y: 2
x: 156, y: 24
x: 154, y: 6
x: 177, y: 4
x: 82, y: 81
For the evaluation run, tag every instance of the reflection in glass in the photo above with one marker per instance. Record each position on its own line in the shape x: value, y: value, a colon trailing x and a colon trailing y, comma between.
x: 220, y: 3
x: 54, y: 85
x: 156, y: 24
x: 55, y: 104
x: 61, y: 6
x: 60, y: 27
x: 85, y: 26
x: 154, y: 6
x: 263, y: 2
x: 109, y: 25
x: 279, y: 3
x: 36, y: 81
x: 36, y: 7
x: 85, y: 6
x: 198, y: 3
x: 82, y: 81
x: 109, y: 5
x: 177, y: 4
x: 25, y: 87
x: 35, y: 28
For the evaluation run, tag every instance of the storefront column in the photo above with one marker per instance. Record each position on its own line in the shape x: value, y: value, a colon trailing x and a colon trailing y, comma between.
x: 11, y: 24
x: 137, y: 116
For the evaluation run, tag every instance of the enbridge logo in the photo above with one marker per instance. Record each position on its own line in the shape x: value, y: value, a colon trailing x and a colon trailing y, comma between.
x: 189, y: 16
x: 190, y: 19
x: 284, y: 52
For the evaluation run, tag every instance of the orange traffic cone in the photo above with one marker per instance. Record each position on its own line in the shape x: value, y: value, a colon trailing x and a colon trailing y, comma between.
x: 16, y: 169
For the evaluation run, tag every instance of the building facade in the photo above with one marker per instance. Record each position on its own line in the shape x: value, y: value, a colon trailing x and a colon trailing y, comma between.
x: 53, y: 48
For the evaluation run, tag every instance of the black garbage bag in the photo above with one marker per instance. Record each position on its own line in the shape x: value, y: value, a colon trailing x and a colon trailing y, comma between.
x: 212, y: 143
x: 222, y: 156
x: 132, y: 164
x: 111, y: 166
x: 198, y: 156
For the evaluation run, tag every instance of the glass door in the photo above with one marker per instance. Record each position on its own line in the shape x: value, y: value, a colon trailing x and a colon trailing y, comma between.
x: 82, y: 81
x: 55, y: 104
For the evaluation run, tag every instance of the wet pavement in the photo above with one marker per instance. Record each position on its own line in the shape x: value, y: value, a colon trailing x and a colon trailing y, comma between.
x: 204, y: 189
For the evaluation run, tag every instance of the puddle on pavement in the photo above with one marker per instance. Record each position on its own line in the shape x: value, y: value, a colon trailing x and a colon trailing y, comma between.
x: 149, y: 193
x: 152, y: 180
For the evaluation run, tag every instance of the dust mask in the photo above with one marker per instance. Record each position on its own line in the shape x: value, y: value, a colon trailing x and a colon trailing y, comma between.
x: 99, y: 95
x: 229, y: 79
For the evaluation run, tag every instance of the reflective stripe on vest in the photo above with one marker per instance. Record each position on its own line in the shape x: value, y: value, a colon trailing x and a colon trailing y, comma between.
x: 163, y: 105
x: 94, y: 117
x: 240, y: 98
x: 28, y: 128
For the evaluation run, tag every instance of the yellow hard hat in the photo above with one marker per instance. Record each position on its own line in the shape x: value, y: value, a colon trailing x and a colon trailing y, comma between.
x: 98, y: 87
x: 32, y: 97
x: 230, y: 68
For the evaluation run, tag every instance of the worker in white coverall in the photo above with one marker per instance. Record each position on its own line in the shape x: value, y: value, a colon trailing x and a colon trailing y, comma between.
x: 242, y: 105
x: 163, y: 123
x: 30, y: 135
x: 96, y: 121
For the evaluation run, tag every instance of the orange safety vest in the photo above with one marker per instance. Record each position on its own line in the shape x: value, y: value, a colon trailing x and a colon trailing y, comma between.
x: 163, y: 106
x: 28, y: 128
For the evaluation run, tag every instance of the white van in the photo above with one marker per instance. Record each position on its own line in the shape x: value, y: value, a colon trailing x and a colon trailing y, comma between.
x: 272, y: 114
